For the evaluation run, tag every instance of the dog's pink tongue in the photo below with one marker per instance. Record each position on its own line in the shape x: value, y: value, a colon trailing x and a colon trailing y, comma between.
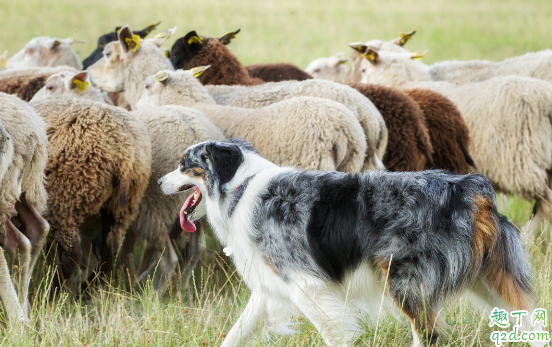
x: 184, y: 222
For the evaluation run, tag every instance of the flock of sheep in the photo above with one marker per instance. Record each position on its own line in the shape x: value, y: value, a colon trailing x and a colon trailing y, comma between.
x: 81, y: 151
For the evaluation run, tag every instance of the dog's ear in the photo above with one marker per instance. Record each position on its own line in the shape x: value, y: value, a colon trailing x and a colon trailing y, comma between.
x: 226, y: 159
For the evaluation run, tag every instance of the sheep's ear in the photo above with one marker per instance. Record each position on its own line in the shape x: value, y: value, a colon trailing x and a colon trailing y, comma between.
x: 371, y: 55
x: 403, y: 38
x: 79, y: 81
x: 128, y: 40
x: 70, y: 41
x: 162, y: 77
x: 198, y: 70
x: 227, y: 38
x: 358, y: 46
x: 418, y: 55
x: 144, y: 32
x: 193, y: 39
x: 3, y: 59
x: 163, y: 36
x: 340, y: 58
x: 55, y: 43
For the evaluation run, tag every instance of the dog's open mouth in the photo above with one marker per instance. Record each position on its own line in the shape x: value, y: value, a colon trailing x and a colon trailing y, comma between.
x: 188, y: 209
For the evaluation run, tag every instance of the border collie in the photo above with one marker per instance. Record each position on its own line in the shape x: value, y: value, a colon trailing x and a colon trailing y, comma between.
x: 328, y: 242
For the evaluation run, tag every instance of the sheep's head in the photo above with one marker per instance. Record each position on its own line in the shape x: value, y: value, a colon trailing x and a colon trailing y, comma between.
x: 108, y: 73
x: 332, y: 68
x: 46, y: 51
x: 393, y: 69
x: 187, y: 47
x: 110, y: 37
x: 67, y: 83
x: 179, y: 87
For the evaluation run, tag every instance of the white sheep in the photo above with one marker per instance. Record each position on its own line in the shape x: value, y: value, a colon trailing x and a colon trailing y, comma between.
x: 71, y: 83
x: 46, y: 51
x: 269, y: 93
x: 134, y: 60
x: 22, y: 193
x: 509, y: 119
x: 537, y: 65
x: 305, y: 132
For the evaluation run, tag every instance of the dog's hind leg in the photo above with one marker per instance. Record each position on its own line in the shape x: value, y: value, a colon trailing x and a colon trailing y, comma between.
x: 406, y: 288
x: 246, y: 327
x: 328, y: 312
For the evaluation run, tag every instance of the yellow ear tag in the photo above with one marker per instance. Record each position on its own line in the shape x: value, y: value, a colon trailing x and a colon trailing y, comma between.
x: 167, y: 53
x: 370, y: 56
x: 197, y: 71
x: 195, y: 39
x: 80, y: 85
x: 417, y: 56
x: 161, y: 76
x: 133, y: 43
x: 3, y: 62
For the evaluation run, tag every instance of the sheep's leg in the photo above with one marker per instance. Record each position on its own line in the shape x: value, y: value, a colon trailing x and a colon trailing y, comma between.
x: 542, y: 217
x: 8, y: 293
x: 19, y: 248
x: 127, y: 255
x: 36, y: 230
x: 69, y: 261
x: 193, y: 251
x: 108, y: 243
x: 158, y: 262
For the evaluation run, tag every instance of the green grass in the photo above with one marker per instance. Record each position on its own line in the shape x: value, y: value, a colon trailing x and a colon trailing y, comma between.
x: 272, y: 31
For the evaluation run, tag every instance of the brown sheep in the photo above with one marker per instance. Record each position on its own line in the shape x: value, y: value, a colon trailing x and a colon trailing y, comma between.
x: 448, y: 132
x: 99, y: 162
x: 277, y: 72
x: 409, y: 147
x: 192, y: 50
x: 26, y: 82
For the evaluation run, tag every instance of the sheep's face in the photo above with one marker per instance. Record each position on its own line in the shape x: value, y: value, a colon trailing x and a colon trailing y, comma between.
x: 331, y: 68
x: 108, y: 72
x: 45, y: 51
x: 66, y: 83
x: 391, y: 69
x: 153, y: 88
x: 179, y: 87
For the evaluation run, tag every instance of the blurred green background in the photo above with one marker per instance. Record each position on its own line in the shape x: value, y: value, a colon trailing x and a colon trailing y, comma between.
x: 296, y: 31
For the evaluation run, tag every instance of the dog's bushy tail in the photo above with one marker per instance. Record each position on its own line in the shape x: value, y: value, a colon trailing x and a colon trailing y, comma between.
x: 507, y: 267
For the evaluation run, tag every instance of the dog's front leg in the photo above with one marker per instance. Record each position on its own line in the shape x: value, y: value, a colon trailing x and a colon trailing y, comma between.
x: 248, y: 323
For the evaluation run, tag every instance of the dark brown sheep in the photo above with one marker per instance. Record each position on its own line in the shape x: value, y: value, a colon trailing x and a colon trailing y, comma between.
x: 409, y: 146
x: 24, y: 83
x: 447, y: 130
x: 277, y: 72
x: 192, y: 50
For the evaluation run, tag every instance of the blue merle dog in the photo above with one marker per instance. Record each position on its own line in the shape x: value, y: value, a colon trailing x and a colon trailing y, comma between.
x: 330, y: 243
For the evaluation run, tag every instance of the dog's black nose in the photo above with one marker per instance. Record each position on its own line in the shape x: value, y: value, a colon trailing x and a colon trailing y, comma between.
x: 160, y: 181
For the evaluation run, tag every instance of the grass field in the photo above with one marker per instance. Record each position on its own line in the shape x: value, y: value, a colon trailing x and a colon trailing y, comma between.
x: 272, y: 31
